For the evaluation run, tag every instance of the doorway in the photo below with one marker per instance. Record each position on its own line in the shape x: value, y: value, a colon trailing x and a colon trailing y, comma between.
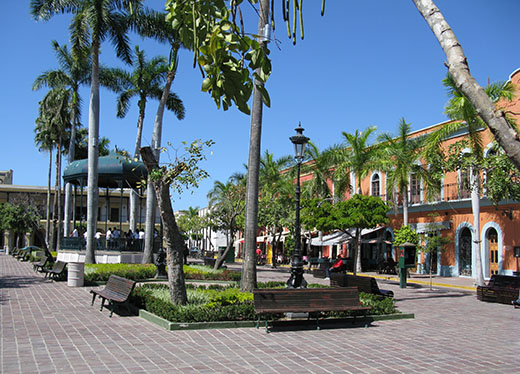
x: 465, y: 252
x: 492, y: 242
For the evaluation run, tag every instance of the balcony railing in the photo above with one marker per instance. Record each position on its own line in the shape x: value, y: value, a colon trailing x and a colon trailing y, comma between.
x: 119, y: 244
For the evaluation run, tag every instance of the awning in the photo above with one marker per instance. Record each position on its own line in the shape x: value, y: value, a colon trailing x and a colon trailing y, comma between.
x: 339, y: 237
x: 422, y: 227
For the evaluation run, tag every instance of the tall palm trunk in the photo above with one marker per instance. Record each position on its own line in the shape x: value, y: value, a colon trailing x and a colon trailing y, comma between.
x: 357, y: 253
x: 93, y: 154
x: 475, y: 207
x: 405, y: 206
x: 48, y: 209
x: 150, y: 193
x: 68, y: 187
x: 57, y: 194
x: 248, y: 282
x: 134, y: 197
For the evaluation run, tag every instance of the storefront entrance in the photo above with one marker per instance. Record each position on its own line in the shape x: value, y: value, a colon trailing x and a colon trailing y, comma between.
x: 492, y: 242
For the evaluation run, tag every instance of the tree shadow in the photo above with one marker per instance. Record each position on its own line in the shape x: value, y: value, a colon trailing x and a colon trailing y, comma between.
x: 13, y: 281
x: 324, y: 324
x: 435, y: 296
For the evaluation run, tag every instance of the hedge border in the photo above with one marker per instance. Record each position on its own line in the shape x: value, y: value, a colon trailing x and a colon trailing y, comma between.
x: 175, y: 326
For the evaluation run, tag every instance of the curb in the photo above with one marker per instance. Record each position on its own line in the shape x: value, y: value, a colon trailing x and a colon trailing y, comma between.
x: 175, y: 326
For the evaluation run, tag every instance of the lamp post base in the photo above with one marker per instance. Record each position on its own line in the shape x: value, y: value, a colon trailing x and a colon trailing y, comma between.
x: 296, y: 279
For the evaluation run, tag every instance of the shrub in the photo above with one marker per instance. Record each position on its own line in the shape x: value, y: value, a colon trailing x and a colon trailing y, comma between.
x: 227, y: 303
x: 101, y: 272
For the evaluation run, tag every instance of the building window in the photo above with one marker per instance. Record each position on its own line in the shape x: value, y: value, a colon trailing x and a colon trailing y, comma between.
x: 114, y: 214
x: 464, y: 184
x: 415, y: 189
x: 376, y: 185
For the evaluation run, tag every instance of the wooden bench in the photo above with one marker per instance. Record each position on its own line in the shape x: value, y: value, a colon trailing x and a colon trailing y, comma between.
x: 319, y: 272
x: 40, y: 265
x: 116, y: 291
x: 502, y: 289
x: 363, y: 284
x: 306, y: 300
x: 57, y: 272
x: 313, y: 264
x: 209, y: 261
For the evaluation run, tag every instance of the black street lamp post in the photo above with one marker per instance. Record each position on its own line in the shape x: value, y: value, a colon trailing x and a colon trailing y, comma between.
x: 296, y: 280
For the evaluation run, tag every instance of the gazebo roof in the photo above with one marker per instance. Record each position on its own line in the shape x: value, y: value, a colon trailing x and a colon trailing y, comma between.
x: 113, y: 170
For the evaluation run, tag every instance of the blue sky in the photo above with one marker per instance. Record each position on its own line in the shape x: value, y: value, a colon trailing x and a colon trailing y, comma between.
x: 364, y: 63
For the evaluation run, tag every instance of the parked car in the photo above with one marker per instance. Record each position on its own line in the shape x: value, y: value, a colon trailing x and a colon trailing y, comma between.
x: 195, y: 252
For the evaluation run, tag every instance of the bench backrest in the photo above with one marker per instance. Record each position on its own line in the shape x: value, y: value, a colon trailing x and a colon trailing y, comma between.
x: 364, y: 284
x: 504, y: 281
x: 120, y: 285
x: 305, y: 300
x: 59, y: 266
x: 43, y: 260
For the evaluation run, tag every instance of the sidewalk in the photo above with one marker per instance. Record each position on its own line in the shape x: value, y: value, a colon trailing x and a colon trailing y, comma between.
x: 462, y: 283
x: 47, y: 327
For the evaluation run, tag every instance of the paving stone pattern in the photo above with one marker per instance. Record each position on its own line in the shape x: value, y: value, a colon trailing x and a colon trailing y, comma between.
x: 48, y: 327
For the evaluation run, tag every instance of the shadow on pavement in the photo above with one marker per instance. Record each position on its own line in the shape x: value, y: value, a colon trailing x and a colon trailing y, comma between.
x: 324, y: 324
x: 19, y: 281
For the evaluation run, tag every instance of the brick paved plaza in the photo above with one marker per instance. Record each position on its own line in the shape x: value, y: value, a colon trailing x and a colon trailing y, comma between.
x: 48, y: 327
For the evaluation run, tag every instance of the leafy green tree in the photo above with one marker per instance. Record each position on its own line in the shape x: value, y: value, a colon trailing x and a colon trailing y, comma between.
x: 434, y: 242
x: 94, y: 20
x: 18, y: 218
x: 358, y: 213
x: 179, y: 174
x: 227, y: 204
x: 406, y: 235
x: 501, y: 178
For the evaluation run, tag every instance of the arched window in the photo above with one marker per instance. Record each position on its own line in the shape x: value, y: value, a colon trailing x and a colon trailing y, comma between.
x: 376, y: 185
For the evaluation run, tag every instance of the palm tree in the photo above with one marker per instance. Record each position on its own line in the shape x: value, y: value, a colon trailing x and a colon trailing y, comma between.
x: 466, y: 117
x: 248, y: 281
x: 45, y: 142
x: 355, y: 155
x: 74, y: 71
x: 144, y: 82
x: 154, y: 25
x: 276, y: 202
x: 53, y: 121
x: 401, y: 157
x: 96, y: 20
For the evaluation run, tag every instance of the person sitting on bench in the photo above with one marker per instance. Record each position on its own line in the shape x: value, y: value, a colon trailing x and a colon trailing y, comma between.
x: 336, y: 267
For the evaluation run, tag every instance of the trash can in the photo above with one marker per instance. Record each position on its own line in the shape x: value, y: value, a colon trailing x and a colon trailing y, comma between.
x: 76, y: 274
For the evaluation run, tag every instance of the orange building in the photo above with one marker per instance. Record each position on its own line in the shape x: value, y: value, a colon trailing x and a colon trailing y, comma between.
x: 452, y: 207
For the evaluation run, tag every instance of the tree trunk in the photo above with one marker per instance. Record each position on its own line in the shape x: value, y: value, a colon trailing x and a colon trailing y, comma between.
x: 93, y: 154
x: 48, y: 209
x: 405, y: 207
x: 458, y: 67
x: 357, y: 253
x: 248, y: 282
x: 68, y: 187
x: 57, y: 194
x: 172, y: 235
x: 475, y: 207
x: 151, y: 200
x: 222, y: 257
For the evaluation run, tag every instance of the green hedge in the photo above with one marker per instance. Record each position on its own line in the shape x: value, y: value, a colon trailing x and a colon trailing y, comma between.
x: 226, y: 303
x: 101, y: 272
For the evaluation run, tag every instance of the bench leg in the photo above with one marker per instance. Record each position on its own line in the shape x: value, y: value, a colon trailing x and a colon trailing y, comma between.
x: 93, y: 298
x: 102, y: 304
x: 111, y: 308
